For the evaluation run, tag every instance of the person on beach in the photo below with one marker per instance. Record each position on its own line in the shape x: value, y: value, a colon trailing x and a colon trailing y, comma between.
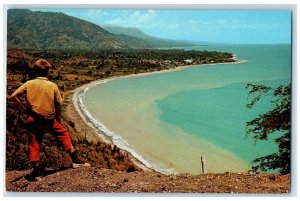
x: 44, y: 114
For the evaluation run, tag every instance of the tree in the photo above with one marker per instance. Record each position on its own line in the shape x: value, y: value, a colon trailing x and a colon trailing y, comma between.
x: 276, y: 120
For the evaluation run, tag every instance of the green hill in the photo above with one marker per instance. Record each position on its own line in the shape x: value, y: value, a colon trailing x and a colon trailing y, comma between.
x: 27, y: 29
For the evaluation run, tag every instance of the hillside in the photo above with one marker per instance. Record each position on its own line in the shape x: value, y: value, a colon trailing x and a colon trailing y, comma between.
x: 137, y: 33
x: 95, y: 179
x: 37, y: 30
x: 47, y: 30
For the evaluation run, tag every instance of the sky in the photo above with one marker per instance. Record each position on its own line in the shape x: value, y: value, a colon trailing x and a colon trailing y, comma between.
x: 214, y: 26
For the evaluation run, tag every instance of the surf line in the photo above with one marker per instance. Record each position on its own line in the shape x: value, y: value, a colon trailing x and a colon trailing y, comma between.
x: 108, y: 135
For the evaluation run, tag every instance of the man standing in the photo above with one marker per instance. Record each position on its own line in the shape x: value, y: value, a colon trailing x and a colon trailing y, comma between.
x: 44, y: 114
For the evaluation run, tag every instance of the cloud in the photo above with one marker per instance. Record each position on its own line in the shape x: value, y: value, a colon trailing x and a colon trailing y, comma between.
x: 137, y: 18
x: 96, y: 13
x: 115, y: 21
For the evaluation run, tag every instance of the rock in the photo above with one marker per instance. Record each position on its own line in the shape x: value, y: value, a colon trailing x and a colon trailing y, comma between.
x: 272, y: 177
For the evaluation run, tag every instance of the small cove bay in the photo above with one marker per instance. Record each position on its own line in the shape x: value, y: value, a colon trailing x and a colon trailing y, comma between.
x: 168, y: 120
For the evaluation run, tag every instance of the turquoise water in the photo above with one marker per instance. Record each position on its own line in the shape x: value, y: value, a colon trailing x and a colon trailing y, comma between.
x: 169, y: 119
x: 219, y: 116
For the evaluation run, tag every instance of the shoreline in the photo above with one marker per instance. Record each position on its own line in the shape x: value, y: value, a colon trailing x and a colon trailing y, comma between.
x: 99, y: 130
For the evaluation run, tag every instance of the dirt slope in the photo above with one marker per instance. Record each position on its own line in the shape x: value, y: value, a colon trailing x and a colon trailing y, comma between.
x: 94, y: 179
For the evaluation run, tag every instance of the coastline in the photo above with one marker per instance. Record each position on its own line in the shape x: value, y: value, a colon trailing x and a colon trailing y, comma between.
x: 102, y: 177
x: 96, y: 130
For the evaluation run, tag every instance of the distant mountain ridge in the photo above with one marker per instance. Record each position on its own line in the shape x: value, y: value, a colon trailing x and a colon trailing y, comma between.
x: 155, y: 41
x: 28, y: 29
x: 130, y: 31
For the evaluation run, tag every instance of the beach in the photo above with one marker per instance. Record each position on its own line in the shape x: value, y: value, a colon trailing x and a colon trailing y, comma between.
x: 85, y: 128
x: 86, y: 124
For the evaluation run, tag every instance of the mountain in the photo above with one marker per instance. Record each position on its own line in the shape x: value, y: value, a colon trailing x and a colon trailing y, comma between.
x: 28, y: 29
x: 137, y: 33
x: 130, y: 31
x: 37, y: 30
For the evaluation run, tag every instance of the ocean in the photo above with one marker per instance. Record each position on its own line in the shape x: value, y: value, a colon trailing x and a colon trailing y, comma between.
x: 168, y: 120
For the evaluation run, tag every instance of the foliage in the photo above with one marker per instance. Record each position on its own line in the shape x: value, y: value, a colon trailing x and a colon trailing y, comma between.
x: 89, y: 65
x: 276, y: 120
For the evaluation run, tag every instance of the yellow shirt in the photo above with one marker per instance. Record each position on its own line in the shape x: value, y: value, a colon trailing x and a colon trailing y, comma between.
x: 40, y: 95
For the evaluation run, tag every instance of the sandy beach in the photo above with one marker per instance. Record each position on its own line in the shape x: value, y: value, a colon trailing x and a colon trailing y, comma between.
x: 83, y: 125
x: 85, y: 129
